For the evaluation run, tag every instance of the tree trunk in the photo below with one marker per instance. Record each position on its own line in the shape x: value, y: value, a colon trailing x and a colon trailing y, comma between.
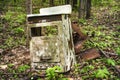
x: 43, y: 0
x: 88, y: 9
x: 74, y: 3
x: 67, y: 1
x: 61, y: 2
x: 29, y: 11
x: 51, y: 2
x: 82, y: 9
x: 29, y: 6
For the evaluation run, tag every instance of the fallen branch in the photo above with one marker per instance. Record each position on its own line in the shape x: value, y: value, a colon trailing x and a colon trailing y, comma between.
x: 116, y: 68
x: 111, y: 54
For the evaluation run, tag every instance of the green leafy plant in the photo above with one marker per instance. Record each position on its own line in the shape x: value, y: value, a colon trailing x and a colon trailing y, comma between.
x: 52, y: 73
x: 18, y: 30
x: 110, y: 62
x: 8, y: 15
x: 23, y: 68
x: 87, y: 68
x: 101, y: 73
x: 83, y: 21
x: 117, y: 50
x: 9, y: 42
x: 14, y: 22
x: 51, y: 30
x: 10, y: 65
x: 76, y: 69
x: 102, y: 2
x: 10, y: 68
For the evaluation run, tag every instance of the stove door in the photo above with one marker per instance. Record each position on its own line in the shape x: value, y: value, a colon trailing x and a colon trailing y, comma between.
x: 45, y: 49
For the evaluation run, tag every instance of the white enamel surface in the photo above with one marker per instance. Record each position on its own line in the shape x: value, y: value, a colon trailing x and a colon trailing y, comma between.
x: 64, y: 9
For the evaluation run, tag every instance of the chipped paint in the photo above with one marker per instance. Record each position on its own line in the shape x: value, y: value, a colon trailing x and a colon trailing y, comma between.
x: 58, y: 49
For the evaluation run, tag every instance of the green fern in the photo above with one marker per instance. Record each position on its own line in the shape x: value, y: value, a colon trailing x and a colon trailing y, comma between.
x: 110, y: 62
x: 101, y: 73
x: 52, y: 73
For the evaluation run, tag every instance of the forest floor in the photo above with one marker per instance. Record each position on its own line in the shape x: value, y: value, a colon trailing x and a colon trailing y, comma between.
x: 103, y: 28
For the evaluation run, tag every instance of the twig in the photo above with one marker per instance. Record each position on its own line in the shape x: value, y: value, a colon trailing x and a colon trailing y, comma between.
x: 13, y: 74
x: 116, y: 68
x: 111, y: 54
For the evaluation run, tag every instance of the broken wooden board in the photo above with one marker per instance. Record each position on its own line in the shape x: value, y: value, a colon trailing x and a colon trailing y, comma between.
x: 90, y: 54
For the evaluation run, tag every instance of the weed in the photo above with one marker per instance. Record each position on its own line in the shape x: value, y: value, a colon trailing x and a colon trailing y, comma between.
x: 18, y: 30
x: 83, y: 21
x: 10, y: 65
x: 9, y: 42
x: 118, y: 62
x: 101, y: 73
x: 51, y: 30
x: 14, y: 22
x: 102, y: 2
x: 23, y: 68
x: 52, y: 73
x: 76, y: 69
x: 110, y: 62
x: 117, y: 50
x: 87, y: 69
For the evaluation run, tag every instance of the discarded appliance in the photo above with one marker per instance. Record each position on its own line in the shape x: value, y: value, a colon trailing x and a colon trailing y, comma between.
x: 51, y: 40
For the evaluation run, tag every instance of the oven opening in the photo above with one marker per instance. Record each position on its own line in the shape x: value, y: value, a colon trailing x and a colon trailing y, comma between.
x: 44, y: 31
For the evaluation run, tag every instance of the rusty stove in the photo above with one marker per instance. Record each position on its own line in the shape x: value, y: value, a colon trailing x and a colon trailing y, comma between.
x: 51, y: 41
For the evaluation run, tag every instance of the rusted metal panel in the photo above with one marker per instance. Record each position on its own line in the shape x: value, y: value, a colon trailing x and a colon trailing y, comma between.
x: 78, y: 46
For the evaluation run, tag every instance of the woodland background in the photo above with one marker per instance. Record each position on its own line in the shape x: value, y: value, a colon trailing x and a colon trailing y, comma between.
x: 101, y: 22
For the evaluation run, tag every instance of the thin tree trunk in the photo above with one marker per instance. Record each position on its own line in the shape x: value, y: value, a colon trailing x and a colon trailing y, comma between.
x: 29, y: 6
x: 88, y: 9
x: 51, y: 2
x: 60, y: 2
x: 82, y: 9
x: 67, y: 1
x: 43, y: 0
x: 74, y: 3
x: 29, y: 11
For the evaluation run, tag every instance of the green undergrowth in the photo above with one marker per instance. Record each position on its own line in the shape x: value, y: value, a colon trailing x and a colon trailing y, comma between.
x: 98, y: 69
x: 53, y: 74
x: 13, y: 29
x: 14, y: 72
x: 104, y: 33
x: 102, y: 37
